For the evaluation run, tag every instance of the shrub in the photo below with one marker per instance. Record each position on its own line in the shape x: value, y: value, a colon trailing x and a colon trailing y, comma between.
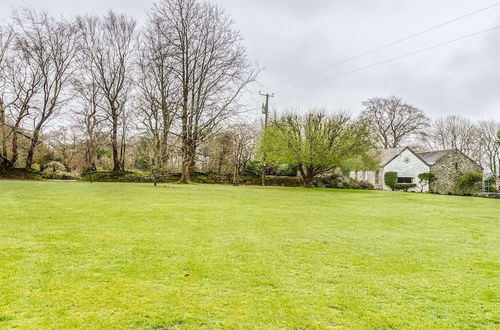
x: 332, y: 181
x: 404, y: 186
x: 287, y: 170
x: 391, y: 179
x: 21, y: 174
x: 490, y: 184
x: 125, y: 176
x: 283, y: 181
x: 252, y: 168
x: 365, y: 185
x: 211, y: 178
x: 66, y: 176
x: 467, y: 183
x: 36, y: 167
x: 54, y: 169
x: 48, y: 157
x: 338, y: 181
x: 426, y: 178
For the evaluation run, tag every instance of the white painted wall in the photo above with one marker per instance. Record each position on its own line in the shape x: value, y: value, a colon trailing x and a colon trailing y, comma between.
x: 412, y: 169
x: 368, y: 176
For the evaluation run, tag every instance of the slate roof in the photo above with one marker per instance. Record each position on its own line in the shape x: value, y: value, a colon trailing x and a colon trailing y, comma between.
x: 389, y: 154
x: 433, y: 157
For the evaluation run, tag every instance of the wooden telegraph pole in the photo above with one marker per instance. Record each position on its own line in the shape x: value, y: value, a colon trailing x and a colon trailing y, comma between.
x: 265, y: 112
x: 2, y: 129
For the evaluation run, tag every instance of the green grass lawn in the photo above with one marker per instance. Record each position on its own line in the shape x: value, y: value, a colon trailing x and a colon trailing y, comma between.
x: 125, y: 256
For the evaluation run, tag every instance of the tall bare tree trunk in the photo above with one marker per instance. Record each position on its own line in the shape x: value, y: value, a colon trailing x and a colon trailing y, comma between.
x: 187, y: 161
x: 236, y: 175
x: 114, y: 146
x: 3, y: 136
x: 31, y: 149
x: 15, y: 149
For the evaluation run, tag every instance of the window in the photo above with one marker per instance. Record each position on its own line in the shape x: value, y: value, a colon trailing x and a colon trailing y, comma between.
x: 405, y: 180
x: 377, y: 179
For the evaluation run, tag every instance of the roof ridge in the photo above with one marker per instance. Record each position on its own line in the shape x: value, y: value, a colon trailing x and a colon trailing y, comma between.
x: 441, y: 150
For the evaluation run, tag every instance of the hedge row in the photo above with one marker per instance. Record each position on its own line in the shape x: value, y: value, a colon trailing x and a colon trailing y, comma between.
x: 21, y: 174
x: 197, y: 177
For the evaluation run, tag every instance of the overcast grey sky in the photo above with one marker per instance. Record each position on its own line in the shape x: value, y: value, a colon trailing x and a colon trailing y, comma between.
x: 289, y: 38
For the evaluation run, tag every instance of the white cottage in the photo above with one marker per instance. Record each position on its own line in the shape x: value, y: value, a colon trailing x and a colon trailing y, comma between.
x: 403, y: 161
x: 446, y: 165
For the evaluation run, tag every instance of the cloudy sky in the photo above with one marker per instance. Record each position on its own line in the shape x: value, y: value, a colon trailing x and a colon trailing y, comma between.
x: 292, y: 38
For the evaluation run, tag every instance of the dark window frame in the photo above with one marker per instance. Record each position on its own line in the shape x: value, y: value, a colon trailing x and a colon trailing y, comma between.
x: 405, y: 179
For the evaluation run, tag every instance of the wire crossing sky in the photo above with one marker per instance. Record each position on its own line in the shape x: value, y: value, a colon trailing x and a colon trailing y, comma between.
x: 371, y: 51
x: 300, y: 40
x: 441, y: 44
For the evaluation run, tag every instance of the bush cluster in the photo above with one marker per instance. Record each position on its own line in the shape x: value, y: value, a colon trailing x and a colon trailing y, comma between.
x: 210, y: 178
x: 254, y: 168
x: 468, y: 183
x: 284, y: 181
x: 197, y: 177
x: 404, y: 186
x: 329, y: 181
x: 56, y: 171
x: 127, y: 176
x: 21, y: 174
x: 338, y: 181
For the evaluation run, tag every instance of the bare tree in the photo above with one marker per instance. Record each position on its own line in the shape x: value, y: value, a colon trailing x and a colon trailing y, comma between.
x: 392, y: 121
x: 489, y: 146
x: 106, y: 54
x: 158, y: 97
x: 49, y: 45
x: 243, y: 148
x: 151, y: 154
x: 90, y: 118
x: 455, y: 132
x: 5, y: 40
x: 210, y: 65
x: 23, y: 83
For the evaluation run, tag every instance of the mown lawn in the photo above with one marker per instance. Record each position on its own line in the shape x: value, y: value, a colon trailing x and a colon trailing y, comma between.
x: 125, y: 256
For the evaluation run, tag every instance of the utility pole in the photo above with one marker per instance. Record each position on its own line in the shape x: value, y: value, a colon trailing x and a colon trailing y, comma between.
x: 3, y: 151
x: 265, y: 112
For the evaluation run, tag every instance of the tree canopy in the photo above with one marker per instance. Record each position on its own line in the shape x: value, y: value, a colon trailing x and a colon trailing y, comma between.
x: 392, y: 121
x: 315, y: 142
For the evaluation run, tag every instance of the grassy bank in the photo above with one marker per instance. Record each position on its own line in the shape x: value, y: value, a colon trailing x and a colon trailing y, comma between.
x: 122, y: 256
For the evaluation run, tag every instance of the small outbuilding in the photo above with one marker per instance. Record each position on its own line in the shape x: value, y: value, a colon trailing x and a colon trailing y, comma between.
x: 446, y: 165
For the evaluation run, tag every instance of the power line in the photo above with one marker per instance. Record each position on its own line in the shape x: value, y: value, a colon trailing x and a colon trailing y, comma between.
x: 371, y: 51
x: 393, y: 58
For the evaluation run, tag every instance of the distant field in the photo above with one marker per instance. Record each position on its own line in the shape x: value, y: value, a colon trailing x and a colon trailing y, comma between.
x: 125, y: 256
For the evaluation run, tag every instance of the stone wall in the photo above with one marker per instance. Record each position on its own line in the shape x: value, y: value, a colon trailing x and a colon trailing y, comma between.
x: 448, y: 169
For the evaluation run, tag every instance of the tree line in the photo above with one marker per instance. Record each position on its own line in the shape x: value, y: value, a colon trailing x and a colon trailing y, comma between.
x: 100, y: 92
x: 171, y: 84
